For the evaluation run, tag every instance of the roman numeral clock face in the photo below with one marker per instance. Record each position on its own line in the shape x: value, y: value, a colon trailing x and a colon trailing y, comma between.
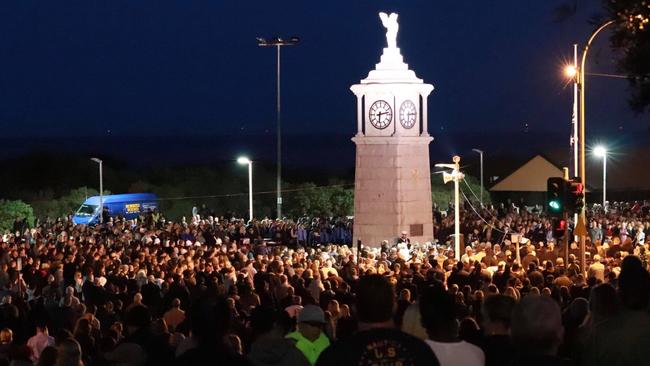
x: 380, y: 114
x: 408, y: 114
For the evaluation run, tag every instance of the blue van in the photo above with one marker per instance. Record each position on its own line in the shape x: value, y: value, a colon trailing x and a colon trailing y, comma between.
x: 129, y: 206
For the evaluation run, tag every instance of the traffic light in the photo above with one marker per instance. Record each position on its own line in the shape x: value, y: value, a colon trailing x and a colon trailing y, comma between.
x: 555, y: 196
x: 575, y: 195
x: 559, y: 228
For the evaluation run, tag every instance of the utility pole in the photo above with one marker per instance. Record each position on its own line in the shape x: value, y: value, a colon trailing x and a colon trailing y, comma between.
x: 565, y: 217
x: 456, y: 176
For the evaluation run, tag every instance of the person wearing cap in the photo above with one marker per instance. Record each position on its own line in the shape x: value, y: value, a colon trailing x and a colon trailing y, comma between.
x: 310, y: 338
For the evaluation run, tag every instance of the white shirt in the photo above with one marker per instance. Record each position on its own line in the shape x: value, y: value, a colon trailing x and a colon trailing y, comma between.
x: 457, y: 353
x: 38, y: 343
x: 293, y: 310
x: 640, y: 237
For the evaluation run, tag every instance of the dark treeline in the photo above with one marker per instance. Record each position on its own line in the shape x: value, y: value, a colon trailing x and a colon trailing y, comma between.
x: 45, y: 179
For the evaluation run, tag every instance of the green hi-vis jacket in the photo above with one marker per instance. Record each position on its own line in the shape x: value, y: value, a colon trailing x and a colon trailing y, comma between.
x: 310, y: 349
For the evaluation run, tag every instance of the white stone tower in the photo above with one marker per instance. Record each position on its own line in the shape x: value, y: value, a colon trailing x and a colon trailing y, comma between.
x: 392, y: 190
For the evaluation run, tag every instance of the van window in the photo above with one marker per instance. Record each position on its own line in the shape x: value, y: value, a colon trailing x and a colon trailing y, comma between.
x: 87, y: 210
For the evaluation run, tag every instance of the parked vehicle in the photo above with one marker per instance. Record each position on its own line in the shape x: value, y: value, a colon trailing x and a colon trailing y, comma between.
x: 129, y: 206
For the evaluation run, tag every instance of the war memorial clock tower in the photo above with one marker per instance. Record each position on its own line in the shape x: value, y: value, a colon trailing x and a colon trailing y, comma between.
x: 392, y: 191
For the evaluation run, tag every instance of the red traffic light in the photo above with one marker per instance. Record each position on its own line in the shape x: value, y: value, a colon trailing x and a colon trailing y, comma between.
x: 575, y: 195
x: 559, y: 228
x: 576, y: 187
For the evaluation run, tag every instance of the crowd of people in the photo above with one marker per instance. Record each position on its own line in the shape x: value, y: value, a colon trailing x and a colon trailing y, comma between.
x: 227, y: 292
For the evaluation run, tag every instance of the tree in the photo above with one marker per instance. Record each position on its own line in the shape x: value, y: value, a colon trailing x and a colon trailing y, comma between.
x: 64, y: 205
x: 342, y: 201
x: 10, y: 211
x: 632, y: 38
x: 307, y: 199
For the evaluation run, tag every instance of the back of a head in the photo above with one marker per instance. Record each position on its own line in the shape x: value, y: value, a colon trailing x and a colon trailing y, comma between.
x: 375, y: 299
x: 437, y: 310
x: 468, y: 330
x: 634, y: 284
x: 138, y: 316
x: 536, y: 326
x: 68, y: 353
x: 263, y: 319
x: 603, y: 302
x: 48, y: 356
x: 210, y: 320
x: 498, y: 309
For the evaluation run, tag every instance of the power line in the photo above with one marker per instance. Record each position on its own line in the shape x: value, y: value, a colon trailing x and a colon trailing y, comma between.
x: 617, y: 76
x: 474, y: 194
x: 479, y: 215
x: 233, y: 194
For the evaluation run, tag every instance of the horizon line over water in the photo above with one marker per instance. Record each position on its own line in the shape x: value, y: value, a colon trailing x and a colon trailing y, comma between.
x: 329, y: 151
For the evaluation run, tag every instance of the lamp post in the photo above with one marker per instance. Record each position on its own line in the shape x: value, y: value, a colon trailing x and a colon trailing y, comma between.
x: 101, y: 189
x: 278, y: 42
x: 583, y: 176
x: 246, y: 161
x: 480, y: 152
x: 601, y: 151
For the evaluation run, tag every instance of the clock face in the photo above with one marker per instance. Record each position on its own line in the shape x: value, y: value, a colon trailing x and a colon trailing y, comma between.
x: 408, y: 114
x: 381, y: 114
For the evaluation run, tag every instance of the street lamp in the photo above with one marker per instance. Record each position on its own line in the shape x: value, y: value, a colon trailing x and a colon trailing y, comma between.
x: 480, y: 152
x: 570, y: 71
x: 246, y: 161
x: 581, y: 224
x: 101, y: 189
x: 278, y: 42
x: 601, y: 152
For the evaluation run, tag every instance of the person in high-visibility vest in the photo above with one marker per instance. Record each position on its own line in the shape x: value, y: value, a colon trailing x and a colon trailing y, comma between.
x: 310, y: 338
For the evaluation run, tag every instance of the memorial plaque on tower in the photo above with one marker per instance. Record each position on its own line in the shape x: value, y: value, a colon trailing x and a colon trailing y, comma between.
x: 392, y: 190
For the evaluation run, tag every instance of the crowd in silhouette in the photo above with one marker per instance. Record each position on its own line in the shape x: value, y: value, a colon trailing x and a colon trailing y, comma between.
x: 226, y: 292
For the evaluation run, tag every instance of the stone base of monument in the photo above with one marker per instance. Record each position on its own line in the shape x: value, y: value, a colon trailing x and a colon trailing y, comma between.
x: 392, y: 190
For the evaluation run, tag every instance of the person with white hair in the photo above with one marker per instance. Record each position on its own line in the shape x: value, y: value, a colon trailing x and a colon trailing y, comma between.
x: 597, y: 269
x: 69, y: 299
x: 468, y: 256
x: 327, y: 269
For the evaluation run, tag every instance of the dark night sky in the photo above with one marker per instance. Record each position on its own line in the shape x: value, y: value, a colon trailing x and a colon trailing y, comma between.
x: 192, y: 68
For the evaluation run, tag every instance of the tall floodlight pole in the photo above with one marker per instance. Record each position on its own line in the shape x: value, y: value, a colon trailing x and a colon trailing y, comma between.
x: 101, y: 189
x: 278, y: 42
x: 456, y: 176
x: 480, y: 152
x: 246, y: 161
x: 601, y: 152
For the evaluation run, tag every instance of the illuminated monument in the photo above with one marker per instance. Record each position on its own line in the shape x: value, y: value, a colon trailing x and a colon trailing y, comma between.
x: 392, y: 191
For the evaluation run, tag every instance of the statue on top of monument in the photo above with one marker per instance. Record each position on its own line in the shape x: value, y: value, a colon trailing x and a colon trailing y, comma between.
x: 390, y: 23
